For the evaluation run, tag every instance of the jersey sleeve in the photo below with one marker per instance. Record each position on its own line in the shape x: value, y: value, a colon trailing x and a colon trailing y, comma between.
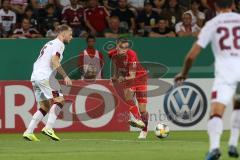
x: 133, y: 61
x: 14, y: 19
x: 178, y: 27
x: 58, y: 50
x: 206, y: 34
x: 106, y: 13
x: 0, y: 19
x: 64, y: 15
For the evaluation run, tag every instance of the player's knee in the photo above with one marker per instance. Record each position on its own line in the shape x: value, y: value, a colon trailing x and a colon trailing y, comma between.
x: 217, y: 110
x: 44, y: 111
x: 45, y: 105
x: 142, y: 107
x: 59, y: 100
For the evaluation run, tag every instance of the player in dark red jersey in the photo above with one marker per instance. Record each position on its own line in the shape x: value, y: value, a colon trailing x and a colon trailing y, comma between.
x: 73, y: 15
x: 131, y: 78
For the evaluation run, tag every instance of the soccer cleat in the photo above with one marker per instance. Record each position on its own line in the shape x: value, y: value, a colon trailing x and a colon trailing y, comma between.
x: 214, y: 155
x: 142, y: 135
x: 50, y: 133
x: 233, y: 152
x: 136, y: 123
x: 30, y: 137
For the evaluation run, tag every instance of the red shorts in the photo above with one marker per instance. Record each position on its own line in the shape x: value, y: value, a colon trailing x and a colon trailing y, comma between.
x: 138, y: 85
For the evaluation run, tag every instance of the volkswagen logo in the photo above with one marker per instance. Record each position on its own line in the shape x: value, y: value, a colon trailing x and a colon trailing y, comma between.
x: 185, y: 105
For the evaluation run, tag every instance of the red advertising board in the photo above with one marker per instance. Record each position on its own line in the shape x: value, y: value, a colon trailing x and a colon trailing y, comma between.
x: 91, y: 106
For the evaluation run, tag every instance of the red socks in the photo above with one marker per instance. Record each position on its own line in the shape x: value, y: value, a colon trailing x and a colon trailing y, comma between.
x: 145, y: 117
x: 133, y: 109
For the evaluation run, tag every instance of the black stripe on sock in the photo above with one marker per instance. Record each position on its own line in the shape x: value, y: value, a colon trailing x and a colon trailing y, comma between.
x: 215, y: 115
x: 42, y: 111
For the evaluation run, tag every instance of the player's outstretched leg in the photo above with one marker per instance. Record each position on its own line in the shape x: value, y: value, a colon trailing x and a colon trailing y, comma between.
x: 235, y: 126
x: 141, y: 95
x: 136, y: 120
x: 53, y: 114
x: 215, y: 129
x: 37, y: 117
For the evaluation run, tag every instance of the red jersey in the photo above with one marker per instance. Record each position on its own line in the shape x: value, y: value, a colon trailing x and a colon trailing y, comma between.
x: 97, y: 18
x: 73, y: 17
x: 127, y: 62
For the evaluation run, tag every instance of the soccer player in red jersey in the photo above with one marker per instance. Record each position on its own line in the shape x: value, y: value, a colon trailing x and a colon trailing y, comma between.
x: 131, y: 78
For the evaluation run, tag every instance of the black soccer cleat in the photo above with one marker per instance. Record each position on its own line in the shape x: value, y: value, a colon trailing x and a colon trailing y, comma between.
x: 214, y: 155
x: 233, y: 152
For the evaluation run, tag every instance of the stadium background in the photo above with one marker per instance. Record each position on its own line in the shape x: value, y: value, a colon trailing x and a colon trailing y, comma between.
x: 96, y: 139
x: 17, y: 97
x: 23, y: 22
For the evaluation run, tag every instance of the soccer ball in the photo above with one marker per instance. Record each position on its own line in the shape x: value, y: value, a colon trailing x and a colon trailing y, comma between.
x: 162, y: 130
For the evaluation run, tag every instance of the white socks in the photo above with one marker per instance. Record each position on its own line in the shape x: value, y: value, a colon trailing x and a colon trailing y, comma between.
x: 235, y: 126
x: 52, y: 117
x: 215, y: 129
x: 37, y: 117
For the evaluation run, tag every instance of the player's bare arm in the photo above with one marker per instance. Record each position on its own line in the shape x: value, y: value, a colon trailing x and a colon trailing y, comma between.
x: 190, y: 58
x: 57, y: 66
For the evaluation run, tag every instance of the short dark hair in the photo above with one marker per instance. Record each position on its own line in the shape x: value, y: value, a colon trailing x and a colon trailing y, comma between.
x: 25, y: 18
x: 28, y: 8
x: 161, y: 18
x: 195, y: 1
x: 90, y: 37
x: 224, y: 3
x: 63, y: 28
x: 122, y: 40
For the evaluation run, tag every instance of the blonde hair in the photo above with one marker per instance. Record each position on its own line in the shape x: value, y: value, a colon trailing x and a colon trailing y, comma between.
x: 63, y: 28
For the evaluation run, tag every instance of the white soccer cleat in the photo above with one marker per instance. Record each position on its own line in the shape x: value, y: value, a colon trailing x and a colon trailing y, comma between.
x: 142, y: 135
x: 136, y: 123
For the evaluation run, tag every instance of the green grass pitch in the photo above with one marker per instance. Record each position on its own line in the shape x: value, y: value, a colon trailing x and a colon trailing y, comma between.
x: 109, y: 146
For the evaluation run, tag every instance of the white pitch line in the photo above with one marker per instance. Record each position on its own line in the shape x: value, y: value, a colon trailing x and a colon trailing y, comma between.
x: 132, y: 141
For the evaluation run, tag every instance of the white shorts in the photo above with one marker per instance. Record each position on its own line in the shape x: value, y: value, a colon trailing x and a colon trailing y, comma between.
x: 223, y: 92
x: 43, y: 91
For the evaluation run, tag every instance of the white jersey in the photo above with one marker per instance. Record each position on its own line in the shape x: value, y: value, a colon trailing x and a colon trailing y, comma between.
x: 223, y: 32
x: 7, y: 19
x: 42, y: 68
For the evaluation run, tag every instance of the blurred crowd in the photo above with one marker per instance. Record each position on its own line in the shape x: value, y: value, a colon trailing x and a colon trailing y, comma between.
x: 105, y: 18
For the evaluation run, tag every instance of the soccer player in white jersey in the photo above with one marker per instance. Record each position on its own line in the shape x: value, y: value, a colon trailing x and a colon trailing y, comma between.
x: 223, y: 32
x: 48, y: 96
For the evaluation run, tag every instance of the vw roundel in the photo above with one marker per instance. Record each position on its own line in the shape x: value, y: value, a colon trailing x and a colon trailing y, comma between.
x: 185, y: 105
